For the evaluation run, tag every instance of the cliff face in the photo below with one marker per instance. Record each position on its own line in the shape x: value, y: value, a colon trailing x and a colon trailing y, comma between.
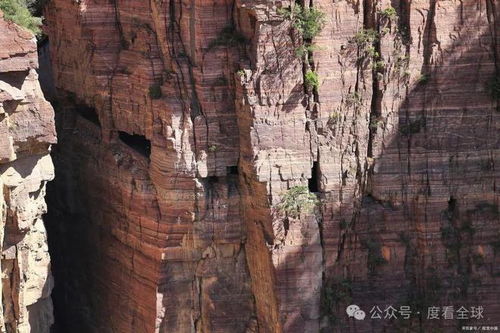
x: 26, y: 133
x: 183, y: 123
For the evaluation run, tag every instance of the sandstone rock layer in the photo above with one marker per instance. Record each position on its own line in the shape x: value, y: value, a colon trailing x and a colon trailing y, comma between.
x: 26, y: 133
x: 183, y: 124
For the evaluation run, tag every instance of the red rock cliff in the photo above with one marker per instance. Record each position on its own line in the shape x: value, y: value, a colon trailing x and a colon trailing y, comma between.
x: 26, y: 133
x: 184, y: 123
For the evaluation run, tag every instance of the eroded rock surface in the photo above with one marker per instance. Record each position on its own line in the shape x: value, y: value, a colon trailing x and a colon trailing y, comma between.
x: 26, y: 133
x: 183, y: 123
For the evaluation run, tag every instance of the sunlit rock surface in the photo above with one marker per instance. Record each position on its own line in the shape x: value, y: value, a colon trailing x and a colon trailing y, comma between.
x: 26, y: 133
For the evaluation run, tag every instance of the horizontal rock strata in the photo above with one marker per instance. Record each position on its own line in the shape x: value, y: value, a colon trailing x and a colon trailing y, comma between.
x: 184, y: 124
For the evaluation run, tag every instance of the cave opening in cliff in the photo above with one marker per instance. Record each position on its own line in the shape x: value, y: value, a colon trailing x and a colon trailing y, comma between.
x: 210, y: 180
x: 139, y: 143
x: 232, y: 170
x: 313, y: 182
x: 88, y: 113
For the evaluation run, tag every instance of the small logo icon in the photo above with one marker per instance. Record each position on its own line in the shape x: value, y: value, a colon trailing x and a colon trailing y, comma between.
x: 354, y: 311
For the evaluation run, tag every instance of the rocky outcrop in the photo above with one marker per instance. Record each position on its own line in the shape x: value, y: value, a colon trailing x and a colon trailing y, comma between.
x: 26, y: 133
x: 184, y: 124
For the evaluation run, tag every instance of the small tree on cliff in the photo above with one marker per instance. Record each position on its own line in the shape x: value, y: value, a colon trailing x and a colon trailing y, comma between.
x: 307, y: 21
x: 17, y: 11
x: 297, y: 200
x: 311, y: 80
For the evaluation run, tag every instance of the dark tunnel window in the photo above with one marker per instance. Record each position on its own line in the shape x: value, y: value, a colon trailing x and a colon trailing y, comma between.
x: 314, y: 180
x: 137, y: 142
x: 232, y: 170
x: 88, y: 113
x: 212, y: 179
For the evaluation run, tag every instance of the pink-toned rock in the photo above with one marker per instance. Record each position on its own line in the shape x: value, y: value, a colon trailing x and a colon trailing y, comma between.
x: 401, y: 150
x: 26, y: 133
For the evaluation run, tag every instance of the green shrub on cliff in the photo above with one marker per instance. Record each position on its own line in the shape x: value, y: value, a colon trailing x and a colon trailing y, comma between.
x: 297, y: 200
x: 353, y: 99
x: 17, y: 11
x: 365, y: 37
x: 365, y: 40
x: 310, y: 22
x: 311, y: 79
x: 307, y: 21
x: 424, y: 78
x: 389, y: 13
x: 303, y: 50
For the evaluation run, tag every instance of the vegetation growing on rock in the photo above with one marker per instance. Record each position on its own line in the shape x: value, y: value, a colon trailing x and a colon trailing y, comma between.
x: 389, y: 13
x: 303, y: 50
x: 353, y: 100
x: 424, y: 78
x: 297, y: 200
x: 366, y: 42
x: 18, y: 11
x: 365, y: 37
x: 307, y: 21
x: 311, y: 79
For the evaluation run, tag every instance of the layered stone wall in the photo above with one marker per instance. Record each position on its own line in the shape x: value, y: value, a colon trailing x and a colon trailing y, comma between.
x: 26, y: 133
x: 183, y: 123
